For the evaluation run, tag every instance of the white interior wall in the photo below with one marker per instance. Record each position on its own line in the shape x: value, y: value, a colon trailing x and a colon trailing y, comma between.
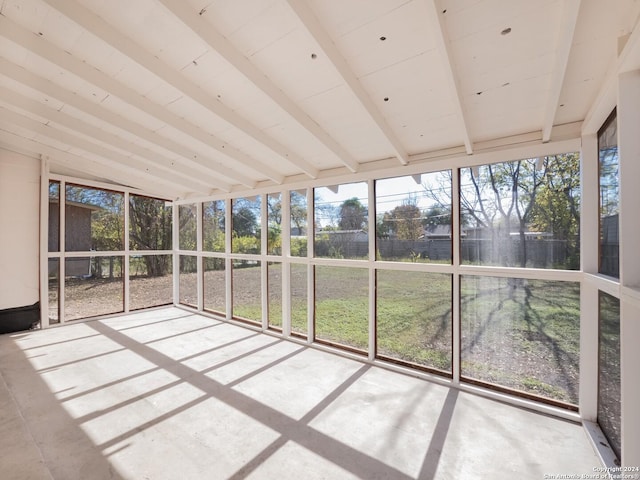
x: 19, y: 229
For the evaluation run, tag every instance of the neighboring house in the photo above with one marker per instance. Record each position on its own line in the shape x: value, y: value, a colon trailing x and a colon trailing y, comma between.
x: 77, y: 239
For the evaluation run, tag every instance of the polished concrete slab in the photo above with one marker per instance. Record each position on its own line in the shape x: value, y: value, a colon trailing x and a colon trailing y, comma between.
x: 168, y: 394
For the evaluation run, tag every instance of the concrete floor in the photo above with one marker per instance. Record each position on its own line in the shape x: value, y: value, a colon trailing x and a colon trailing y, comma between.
x: 167, y: 394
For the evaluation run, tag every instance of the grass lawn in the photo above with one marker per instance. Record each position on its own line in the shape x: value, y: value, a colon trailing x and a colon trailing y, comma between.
x: 518, y: 334
x: 522, y: 334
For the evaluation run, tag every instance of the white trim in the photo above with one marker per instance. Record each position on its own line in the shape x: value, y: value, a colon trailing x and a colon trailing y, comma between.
x: 285, y: 240
x: 456, y: 329
x: 371, y: 217
x: 44, y: 242
x: 126, y: 259
x: 62, y: 225
x: 418, y: 164
x: 199, y: 261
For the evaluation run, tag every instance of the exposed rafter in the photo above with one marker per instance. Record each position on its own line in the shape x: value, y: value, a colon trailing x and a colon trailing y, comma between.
x: 442, y: 42
x: 187, y: 157
x: 98, y: 27
x: 224, y: 48
x: 101, y: 169
x: 64, y: 60
x: 120, y: 161
x: 565, y: 40
x: 309, y: 20
x: 149, y: 160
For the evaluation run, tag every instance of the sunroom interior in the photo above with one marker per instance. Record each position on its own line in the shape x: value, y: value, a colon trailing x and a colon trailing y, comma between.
x: 409, y: 221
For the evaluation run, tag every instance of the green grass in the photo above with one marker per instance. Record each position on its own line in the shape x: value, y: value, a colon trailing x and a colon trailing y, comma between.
x: 520, y: 334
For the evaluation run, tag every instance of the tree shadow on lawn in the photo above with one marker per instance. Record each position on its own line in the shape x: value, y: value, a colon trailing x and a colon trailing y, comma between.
x: 547, y: 366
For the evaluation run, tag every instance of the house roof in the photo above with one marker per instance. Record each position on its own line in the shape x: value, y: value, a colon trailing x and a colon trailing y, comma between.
x: 193, y: 97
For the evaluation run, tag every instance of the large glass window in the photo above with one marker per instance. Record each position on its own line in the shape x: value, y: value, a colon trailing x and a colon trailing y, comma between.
x: 150, y: 224
x: 298, y: 223
x: 93, y: 286
x: 523, y: 213
x: 150, y: 281
x: 54, y: 216
x: 413, y: 218
x: 413, y: 311
x: 246, y: 290
x: 150, y: 276
x: 522, y: 334
x: 299, y: 295
x: 340, y: 221
x: 213, y: 226
x: 214, y: 285
x: 94, y: 219
x: 274, y: 224
x: 245, y: 221
x: 609, y: 370
x: 54, y: 290
x: 342, y: 306
x: 94, y: 230
x: 609, y: 198
x: 54, y: 246
x: 274, y: 288
x: 188, y: 227
x: 188, y: 281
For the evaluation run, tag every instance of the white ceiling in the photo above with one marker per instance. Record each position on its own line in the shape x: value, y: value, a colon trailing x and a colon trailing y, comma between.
x: 195, y: 97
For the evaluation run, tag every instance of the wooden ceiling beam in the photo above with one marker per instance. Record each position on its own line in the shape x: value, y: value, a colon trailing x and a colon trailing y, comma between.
x: 224, y: 48
x: 104, y: 170
x: 187, y: 157
x: 567, y: 28
x: 114, y: 159
x: 101, y: 29
x: 436, y: 20
x: 313, y: 26
x: 149, y: 159
x: 39, y: 46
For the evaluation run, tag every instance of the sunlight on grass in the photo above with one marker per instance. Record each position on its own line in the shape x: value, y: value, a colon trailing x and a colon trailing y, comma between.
x: 342, y: 312
x: 414, y: 317
x: 522, y: 334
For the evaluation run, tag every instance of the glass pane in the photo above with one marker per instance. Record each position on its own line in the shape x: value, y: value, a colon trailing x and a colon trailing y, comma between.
x: 609, y: 198
x: 341, y: 221
x: 298, y: 224
x: 247, y: 297
x: 188, y: 227
x: 414, y: 317
x: 413, y: 218
x: 609, y: 371
x: 274, y: 275
x: 54, y: 216
x: 245, y: 221
x: 214, y: 285
x: 150, y: 224
x: 93, y: 286
x: 188, y: 280
x: 522, y: 334
x: 274, y: 222
x: 299, y: 299
x: 524, y: 213
x: 150, y: 281
x: 54, y: 290
x: 342, y: 306
x: 94, y: 219
x: 213, y: 226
